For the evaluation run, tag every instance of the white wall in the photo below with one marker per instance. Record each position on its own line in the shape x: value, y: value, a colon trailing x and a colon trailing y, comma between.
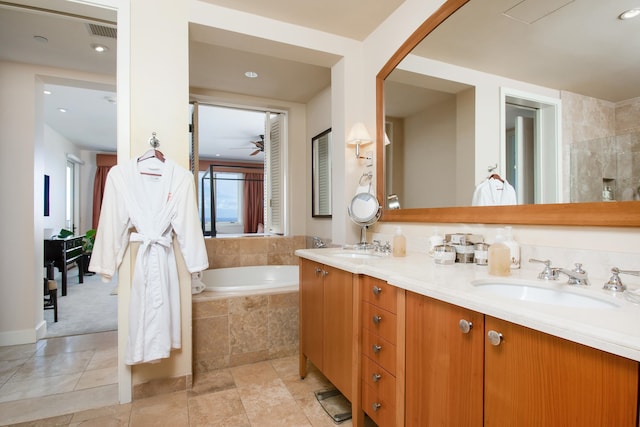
x: 430, y: 163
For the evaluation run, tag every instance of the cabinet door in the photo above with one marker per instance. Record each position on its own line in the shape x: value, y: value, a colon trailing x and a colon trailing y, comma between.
x: 338, y: 329
x: 535, y: 379
x: 444, y: 366
x: 311, y: 313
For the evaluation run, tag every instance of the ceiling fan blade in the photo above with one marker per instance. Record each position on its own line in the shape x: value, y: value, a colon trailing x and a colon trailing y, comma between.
x: 255, y: 152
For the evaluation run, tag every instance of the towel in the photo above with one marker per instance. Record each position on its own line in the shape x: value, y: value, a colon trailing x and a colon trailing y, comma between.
x: 493, y: 192
x: 196, y: 283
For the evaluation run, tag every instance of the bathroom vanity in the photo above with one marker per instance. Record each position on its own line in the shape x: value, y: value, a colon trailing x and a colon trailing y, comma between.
x: 430, y: 345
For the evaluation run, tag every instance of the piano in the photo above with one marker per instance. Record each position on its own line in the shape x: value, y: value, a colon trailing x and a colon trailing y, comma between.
x: 60, y: 253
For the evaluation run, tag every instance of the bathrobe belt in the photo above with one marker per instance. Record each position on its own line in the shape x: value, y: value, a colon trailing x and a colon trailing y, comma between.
x: 153, y: 279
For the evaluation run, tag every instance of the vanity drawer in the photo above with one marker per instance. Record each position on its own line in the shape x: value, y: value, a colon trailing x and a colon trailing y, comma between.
x: 380, y: 293
x: 381, y: 410
x: 379, y: 350
x: 379, y: 321
x: 381, y: 381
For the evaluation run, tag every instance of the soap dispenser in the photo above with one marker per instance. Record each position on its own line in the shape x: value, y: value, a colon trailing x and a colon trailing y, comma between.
x: 514, y: 248
x: 499, y: 254
x: 399, y: 243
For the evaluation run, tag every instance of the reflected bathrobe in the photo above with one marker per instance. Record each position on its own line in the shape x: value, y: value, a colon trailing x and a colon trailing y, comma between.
x: 149, y: 202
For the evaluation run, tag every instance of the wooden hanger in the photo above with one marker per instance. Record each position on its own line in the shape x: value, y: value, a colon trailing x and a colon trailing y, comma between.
x: 150, y: 154
x: 153, y: 153
x: 496, y: 176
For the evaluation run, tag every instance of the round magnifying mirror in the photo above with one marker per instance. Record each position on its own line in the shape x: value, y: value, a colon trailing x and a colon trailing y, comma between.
x: 364, y: 209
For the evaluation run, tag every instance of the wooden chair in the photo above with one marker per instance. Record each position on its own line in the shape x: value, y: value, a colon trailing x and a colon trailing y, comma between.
x: 51, y: 297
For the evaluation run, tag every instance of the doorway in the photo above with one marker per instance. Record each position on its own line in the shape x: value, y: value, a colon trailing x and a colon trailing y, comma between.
x: 531, y: 146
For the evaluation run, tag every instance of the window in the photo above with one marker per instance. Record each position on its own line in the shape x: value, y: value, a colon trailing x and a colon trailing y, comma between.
x: 227, y: 190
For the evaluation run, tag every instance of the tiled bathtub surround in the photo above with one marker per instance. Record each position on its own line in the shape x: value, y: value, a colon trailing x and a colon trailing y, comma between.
x: 232, y: 331
x: 243, y: 251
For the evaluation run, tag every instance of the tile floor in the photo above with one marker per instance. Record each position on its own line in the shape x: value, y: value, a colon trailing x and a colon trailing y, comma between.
x: 71, y: 381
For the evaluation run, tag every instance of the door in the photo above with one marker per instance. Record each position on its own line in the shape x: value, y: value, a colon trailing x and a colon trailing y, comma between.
x: 444, y: 365
x: 536, y: 379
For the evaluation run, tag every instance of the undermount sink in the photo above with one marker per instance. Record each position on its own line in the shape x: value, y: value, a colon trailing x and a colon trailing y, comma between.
x: 538, y: 294
x: 356, y: 255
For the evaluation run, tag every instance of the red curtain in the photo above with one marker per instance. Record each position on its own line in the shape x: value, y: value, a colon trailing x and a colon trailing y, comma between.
x: 253, y: 202
x: 104, y: 163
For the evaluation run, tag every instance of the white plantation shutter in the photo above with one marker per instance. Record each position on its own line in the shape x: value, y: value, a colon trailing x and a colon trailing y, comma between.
x: 275, y: 175
x: 322, y: 167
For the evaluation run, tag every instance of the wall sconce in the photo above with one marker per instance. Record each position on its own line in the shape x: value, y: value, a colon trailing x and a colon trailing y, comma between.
x: 387, y: 141
x: 359, y: 136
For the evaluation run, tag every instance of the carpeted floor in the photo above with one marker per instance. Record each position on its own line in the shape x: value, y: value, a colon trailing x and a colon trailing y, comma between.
x: 87, y: 308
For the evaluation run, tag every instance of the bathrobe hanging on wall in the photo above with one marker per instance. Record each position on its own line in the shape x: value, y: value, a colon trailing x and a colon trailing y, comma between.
x: 150, y: 205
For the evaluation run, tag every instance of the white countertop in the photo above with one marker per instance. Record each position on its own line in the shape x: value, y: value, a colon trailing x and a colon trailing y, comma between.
x: 614, y: 330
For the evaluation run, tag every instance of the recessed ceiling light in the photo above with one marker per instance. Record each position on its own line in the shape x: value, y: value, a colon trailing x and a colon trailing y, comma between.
x: 41, y: 39
x: 251, y: 74
x: 62, y: 110
x: 628, y: 14
x: 46, y: 92
x: 100, y: 48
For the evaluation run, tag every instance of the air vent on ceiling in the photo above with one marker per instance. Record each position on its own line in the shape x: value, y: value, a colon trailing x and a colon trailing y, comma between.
x: 103, y: 31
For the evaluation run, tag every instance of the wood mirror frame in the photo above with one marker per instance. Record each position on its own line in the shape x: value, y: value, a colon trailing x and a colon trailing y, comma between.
x: 611, y: 214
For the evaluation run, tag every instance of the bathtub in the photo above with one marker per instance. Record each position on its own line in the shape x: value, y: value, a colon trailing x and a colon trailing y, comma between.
x: 252, y: 279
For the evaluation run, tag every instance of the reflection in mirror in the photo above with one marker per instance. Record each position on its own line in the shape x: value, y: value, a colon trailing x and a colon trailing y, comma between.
x: 321, y: 175
x: 579, y: 63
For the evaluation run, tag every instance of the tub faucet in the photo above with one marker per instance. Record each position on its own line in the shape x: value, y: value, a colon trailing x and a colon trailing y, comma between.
x: 319, y: 243
x: 577, y: 276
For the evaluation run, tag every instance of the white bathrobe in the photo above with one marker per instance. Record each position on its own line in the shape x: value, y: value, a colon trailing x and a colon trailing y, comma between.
x: 149, y: 209
x: 493, y: 192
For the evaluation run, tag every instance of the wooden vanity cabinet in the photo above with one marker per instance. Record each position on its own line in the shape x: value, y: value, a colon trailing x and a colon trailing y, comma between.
x: 444, y: 364
x: 326, y: 323
x: 520, y: 377
x: 382, y: 325
x: 536, y: 379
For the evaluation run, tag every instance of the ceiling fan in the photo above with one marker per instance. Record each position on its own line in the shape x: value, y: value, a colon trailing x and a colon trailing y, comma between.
x: 259, y: 146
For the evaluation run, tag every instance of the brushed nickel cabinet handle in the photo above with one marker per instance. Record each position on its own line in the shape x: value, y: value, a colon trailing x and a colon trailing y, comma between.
x: 377, y: 348
x: 377, y: 290
x: 376, y: 377
x: 495, y: 338
x: 465, y: 326
x: 376, y: 406
x: 377, y: 319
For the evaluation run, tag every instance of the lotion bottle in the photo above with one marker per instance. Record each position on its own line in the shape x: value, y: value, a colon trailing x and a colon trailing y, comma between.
x: 514, y: 248
x: 399, y: 243
x: 499, y: 256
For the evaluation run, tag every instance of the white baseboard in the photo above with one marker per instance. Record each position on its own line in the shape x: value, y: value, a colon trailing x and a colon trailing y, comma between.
x: 25, y: 336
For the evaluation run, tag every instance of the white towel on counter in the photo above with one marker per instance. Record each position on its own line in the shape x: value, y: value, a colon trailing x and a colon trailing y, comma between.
x: 493, y: 192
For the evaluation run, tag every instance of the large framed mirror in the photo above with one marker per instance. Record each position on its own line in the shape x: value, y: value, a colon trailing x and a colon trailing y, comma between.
x: 439, y: 57
x: 321, y: 175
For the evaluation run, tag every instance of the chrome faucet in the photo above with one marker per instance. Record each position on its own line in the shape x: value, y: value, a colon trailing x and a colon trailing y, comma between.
x: 577, y: 276
x: 614, y: 283
x: 379, y: 247
x: 319, y: 243
x: 548, y: 273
